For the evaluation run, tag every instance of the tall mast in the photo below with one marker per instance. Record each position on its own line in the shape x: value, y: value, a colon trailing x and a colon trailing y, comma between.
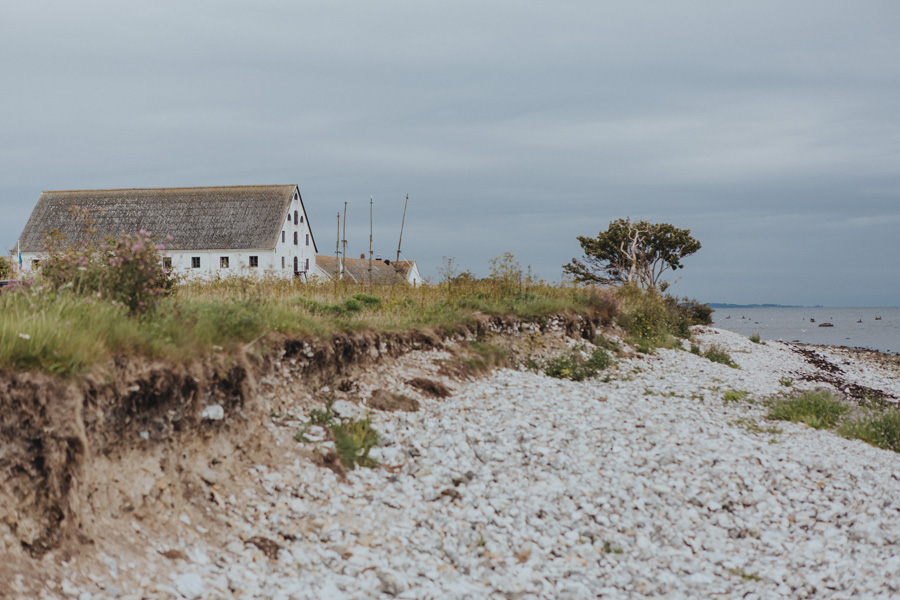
x: 337, y: 248
x: 344, y: 253
x: 401, y: 227
x: 371, y: 201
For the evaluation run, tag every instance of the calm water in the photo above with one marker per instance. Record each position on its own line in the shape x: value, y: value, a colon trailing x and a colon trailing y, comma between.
x: 793, y: 324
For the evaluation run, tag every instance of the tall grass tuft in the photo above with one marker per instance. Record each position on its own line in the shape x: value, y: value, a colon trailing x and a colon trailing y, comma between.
x: 881, y: 429
x: 819, y: 409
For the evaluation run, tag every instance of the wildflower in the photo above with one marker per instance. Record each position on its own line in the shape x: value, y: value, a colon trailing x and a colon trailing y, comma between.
x: 24, y: 336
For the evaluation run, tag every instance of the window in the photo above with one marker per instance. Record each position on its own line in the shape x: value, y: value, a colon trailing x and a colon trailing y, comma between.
x: 35, y: 263
x: 282, y: 262
x: 295, y: 238
x: 301, y: 219
x: 223, y: 262
x: 167, y: 262
x: 282, y: 237
x: 295, y: 217
x: 254, y: 261
x: 307, y: 264
x: 295, y: 264
x: 307, y: 239
x: 195, y: 262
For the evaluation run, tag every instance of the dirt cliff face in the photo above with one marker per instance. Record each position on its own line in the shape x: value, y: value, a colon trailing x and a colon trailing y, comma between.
x: 138, y: 436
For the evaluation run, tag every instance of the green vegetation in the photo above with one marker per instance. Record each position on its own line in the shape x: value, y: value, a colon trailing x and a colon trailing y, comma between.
x: 653, y: 320
x: 353, y: 438
x: 573, y: 365
x: 740, y: 572
x: 632, y: 253
x: 753, y: 427
x: 717, y: 354
x: 89, y: 306
x: 881, y: 428
x: 6, y: 268
x: 819, y: 409
x: 733, y: 396
x: 756, y: 339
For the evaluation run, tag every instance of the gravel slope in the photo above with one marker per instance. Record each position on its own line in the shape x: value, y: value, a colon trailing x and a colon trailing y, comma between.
x: 522, y: 486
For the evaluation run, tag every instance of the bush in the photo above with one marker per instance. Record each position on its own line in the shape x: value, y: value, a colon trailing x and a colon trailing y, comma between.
x: 879, y: 429
x: 717, y: 354
x: 575, y: 367
x: 506, y: 272
x: 127, y: 270
x: 6, y: 268
x: 352, y: 440
x: 646, y: 318
x: 819, y: 409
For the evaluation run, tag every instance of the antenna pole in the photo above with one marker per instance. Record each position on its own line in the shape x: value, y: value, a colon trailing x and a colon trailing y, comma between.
x: 371, y: 201
x: 402, y: 222
x: 345, y: 239
x: 337, y: 248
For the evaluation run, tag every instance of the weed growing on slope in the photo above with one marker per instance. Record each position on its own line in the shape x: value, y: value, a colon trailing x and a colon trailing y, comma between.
x: 733, y: 396
x: 819, y: 409
x: 717, y: 354
x: 756, y: 340
x: 573, y: 365
x: 353, y: 438
x: 879, y: 428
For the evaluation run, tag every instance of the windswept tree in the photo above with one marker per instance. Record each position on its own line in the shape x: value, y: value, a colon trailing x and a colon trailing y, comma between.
x: 637, y: 253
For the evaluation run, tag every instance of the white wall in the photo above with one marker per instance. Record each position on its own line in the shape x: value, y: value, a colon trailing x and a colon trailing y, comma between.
x: 269, y: 260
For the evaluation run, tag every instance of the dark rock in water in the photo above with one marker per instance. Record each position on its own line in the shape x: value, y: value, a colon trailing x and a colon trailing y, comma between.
x: 825, y: 325
x: 812, y: 320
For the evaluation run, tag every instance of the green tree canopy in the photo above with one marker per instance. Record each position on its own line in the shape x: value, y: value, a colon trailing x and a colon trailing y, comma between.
x: 637, y: 253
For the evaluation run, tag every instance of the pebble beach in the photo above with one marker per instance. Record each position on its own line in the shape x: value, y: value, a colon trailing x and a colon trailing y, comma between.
x: 643, y: 482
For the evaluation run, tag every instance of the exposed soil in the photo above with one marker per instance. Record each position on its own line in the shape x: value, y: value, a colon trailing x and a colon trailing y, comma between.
x: 136, y: 444
x: 390, y: 401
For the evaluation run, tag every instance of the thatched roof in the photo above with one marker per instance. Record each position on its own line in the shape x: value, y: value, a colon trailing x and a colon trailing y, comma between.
x: 234, y: 217
x: 357, y: 269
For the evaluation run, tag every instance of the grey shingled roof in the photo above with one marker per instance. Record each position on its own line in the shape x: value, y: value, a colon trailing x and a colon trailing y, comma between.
x: 199, y: 218
x: 357, y: 269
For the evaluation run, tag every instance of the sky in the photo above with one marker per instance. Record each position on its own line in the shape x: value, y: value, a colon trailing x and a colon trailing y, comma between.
x: 769, y: 129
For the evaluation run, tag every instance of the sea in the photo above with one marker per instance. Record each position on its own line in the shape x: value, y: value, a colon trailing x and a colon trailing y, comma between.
x: 870, y: 328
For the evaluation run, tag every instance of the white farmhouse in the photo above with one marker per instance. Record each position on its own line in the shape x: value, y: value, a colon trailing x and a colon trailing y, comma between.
x: 215, y: 231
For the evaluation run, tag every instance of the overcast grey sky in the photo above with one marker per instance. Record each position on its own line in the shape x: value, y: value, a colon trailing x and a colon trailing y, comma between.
x: 771, y: 130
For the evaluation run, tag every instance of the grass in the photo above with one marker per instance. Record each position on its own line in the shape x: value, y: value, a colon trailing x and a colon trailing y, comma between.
x: 819, y: 409
x: 353, y: 438
x: 67, y: 334
x: 878, y: 428
x: 753, y: 427
x: 718, y: 354
x: 733, y: 396
x: 756, y: 339
x: 573, y: 365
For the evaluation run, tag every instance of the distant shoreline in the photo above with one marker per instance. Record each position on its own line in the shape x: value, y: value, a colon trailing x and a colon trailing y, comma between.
x: 725, y: 305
